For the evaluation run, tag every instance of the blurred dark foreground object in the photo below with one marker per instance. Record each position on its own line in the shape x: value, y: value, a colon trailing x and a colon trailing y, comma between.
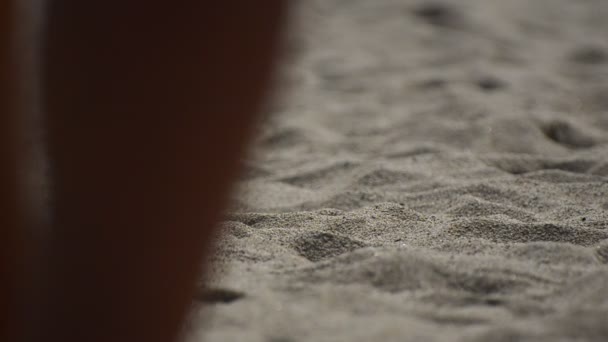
x: 147, y: 107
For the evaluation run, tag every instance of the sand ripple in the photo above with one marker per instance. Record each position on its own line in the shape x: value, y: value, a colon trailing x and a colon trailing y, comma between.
x: 433, y: 171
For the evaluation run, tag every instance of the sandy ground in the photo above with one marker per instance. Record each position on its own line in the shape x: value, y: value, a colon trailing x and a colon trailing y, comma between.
x: 432, y: 171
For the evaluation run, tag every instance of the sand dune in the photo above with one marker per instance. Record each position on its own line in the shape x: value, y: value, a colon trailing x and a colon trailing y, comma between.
x: 432, y: 171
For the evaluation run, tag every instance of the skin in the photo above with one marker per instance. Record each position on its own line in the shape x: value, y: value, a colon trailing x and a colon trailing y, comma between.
x: 148, y: 109
x: 11, y: 219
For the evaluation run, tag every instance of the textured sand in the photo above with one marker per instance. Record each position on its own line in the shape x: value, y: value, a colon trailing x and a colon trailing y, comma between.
x: 432, y: 171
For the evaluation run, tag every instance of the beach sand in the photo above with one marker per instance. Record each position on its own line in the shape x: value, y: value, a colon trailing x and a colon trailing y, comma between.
x: 430, y: 171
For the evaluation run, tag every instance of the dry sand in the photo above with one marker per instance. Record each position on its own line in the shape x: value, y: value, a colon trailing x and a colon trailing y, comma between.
x: 432, y: 171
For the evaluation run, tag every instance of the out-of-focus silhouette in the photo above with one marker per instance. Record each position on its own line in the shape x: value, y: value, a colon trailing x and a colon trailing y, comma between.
x: 147, y: 108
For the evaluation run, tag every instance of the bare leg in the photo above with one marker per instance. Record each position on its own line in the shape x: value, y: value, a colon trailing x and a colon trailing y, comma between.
x: 149, y: 105
x: 11, y: 220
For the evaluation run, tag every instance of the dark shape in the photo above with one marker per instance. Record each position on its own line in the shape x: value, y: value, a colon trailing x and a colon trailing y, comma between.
x: 565, y: 134
x: 318, y: 246
x: 602, y: 253
x: 438, y: 14
x: 433, y: 83
x: 490, y: 84
x: 493, y: 301
x: 589, y: 55
x: 218, y: 296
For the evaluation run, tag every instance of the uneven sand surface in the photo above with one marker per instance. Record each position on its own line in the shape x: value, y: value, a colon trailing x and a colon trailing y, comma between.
x: 432, y: 171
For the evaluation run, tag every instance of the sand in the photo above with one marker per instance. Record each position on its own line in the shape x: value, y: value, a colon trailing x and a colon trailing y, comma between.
x: 430, y: 171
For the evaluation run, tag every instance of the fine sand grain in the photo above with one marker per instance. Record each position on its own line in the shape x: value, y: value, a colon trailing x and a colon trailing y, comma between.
x: 432, y: 171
